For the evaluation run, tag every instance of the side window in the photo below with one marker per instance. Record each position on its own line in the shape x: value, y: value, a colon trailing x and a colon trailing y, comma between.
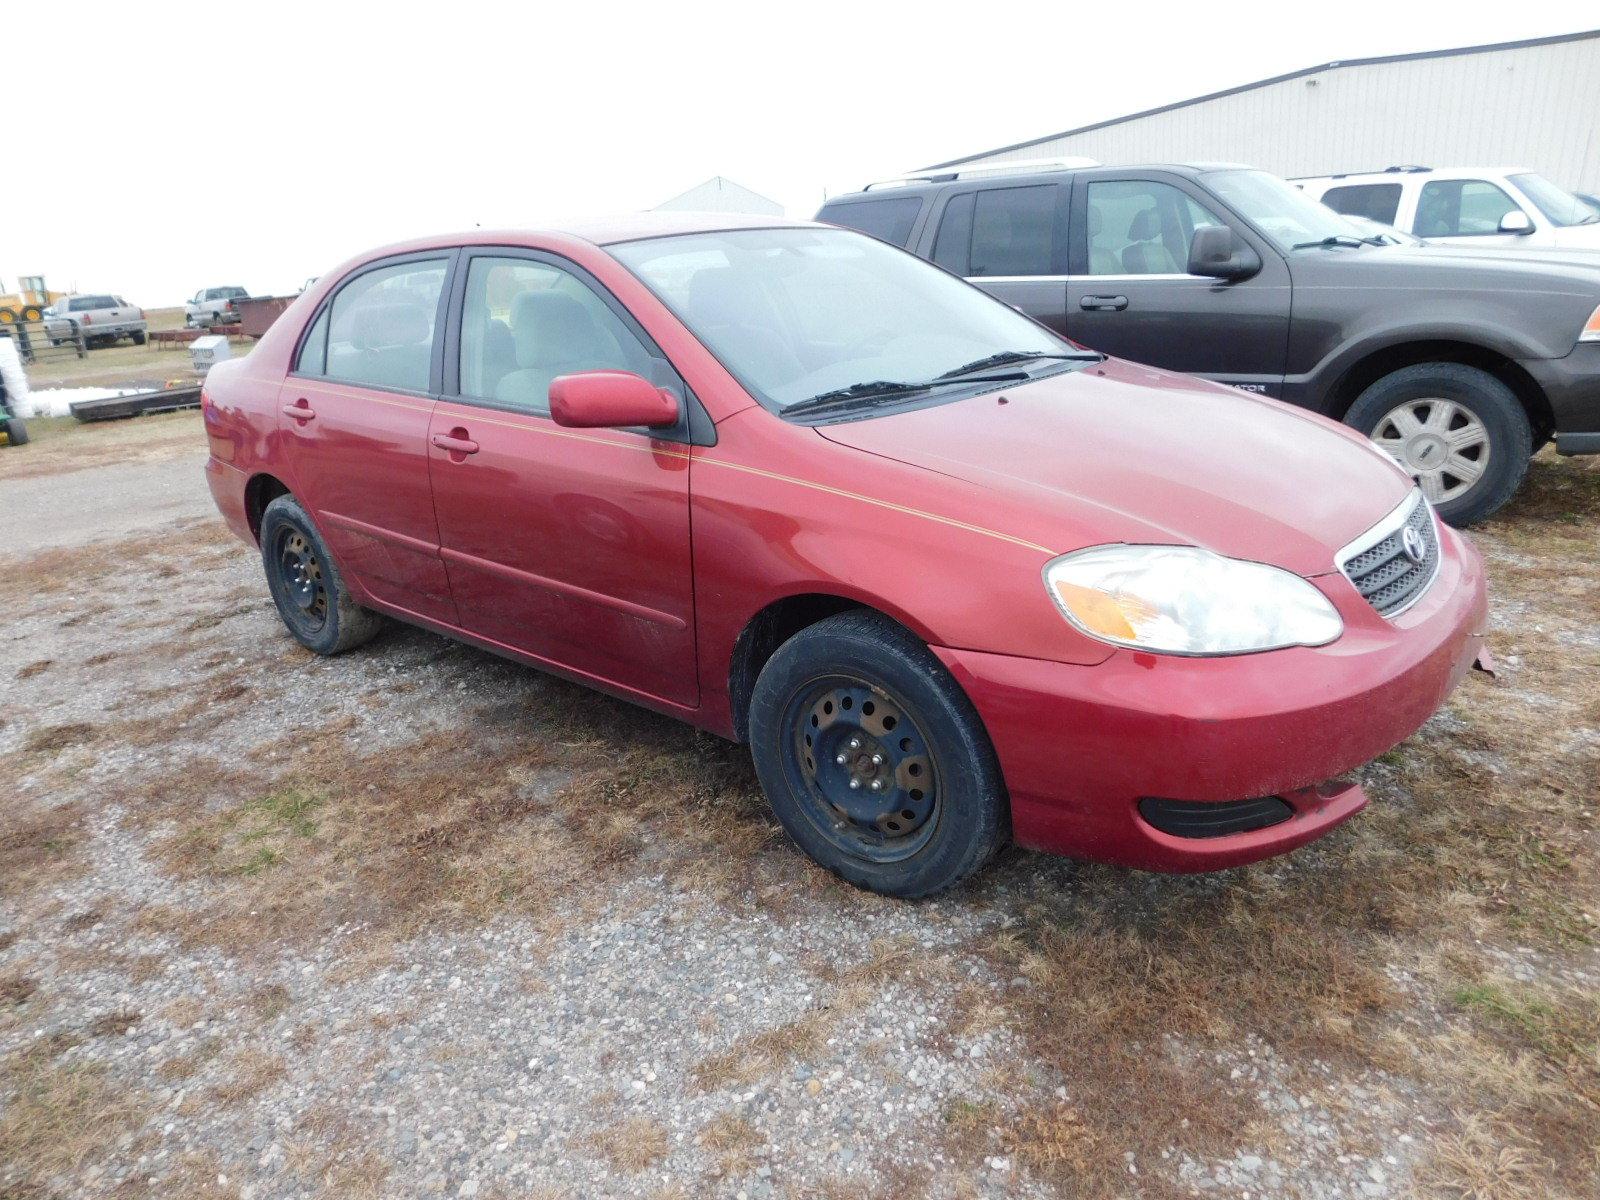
x: 1142, y: 227
x: 887, y: 220
x: 1013, y: 231
x: 1375, y: 201
x: 951, y: 248
x: 1461, y: 208
x: 524, y: 323
x: 314, y: 350
x: 380, y: 333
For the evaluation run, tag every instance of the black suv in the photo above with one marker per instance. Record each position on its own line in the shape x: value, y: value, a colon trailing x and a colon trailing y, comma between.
x: 1458, y: 362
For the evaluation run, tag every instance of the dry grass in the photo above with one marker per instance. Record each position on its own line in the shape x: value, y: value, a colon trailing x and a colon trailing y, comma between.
x: 631, y: 1144
x: 58, y: 445
x: 734, y: 1140
x: 250, y: 1072
x: 59, y: 1116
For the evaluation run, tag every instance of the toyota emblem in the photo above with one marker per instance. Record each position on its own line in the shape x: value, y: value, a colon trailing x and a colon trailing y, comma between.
x: 1411, y: 542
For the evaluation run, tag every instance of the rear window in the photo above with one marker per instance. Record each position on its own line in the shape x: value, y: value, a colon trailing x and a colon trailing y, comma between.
x: 887, y: 220
x: 1013, y: 231
x: 380, y: 333
x: 1374, y: 201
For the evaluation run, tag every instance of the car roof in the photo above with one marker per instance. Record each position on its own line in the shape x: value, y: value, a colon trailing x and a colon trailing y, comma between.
x: 916, y: 186
x: 607, y: 230
x: 1412, y: 172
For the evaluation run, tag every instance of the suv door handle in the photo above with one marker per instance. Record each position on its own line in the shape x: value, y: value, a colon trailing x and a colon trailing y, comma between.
x: 299, y: 410
x: 1103, y: 303
x: 456, y: 442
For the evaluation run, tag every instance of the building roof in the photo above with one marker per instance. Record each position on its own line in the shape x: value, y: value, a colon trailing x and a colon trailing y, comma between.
x: 1337, y: 64
x: 721, y: 195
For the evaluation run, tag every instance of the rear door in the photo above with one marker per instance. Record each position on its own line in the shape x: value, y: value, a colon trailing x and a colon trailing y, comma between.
x: 1131, y: 296
x: 1009, y: 240
x: 354, y: 416
x: 569, y: 545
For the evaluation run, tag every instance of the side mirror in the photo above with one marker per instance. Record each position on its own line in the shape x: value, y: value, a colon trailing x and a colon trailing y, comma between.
x: 1516, y: 221
x: 610, y: 400
x: 1219, y: 253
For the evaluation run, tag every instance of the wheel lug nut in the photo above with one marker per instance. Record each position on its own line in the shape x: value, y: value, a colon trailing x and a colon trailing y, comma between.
x: 855, y: 783
x: 840, y: 759
x: 877, y: 785
x: 877, y: 760
x: 855, y: 743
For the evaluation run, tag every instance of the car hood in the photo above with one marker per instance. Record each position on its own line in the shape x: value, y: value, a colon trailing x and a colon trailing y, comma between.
x: 1118, y: 452
x: 1442, y: 264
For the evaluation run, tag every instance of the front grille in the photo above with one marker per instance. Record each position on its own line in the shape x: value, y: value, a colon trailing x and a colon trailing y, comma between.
x: 1387, y: 577
x: 1200, y: 819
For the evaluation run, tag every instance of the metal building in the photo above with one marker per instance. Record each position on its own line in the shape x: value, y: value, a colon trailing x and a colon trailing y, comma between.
x: 1532, y: 103
x: 722, y: 195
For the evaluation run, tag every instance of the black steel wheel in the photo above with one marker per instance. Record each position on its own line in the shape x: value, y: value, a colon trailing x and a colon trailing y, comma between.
x: 316, y: 606
x: 874, y: 759
x: 863, y: 771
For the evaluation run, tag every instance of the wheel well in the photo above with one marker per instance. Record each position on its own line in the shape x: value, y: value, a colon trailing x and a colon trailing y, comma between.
x: 759, y: 641
x: 261, y: 491
x: 1392, y: 358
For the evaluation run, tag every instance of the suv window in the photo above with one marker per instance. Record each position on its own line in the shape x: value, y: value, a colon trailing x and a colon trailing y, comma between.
x: 525, y: 322
x: 1461, y: 208
x: 1013, y: 231
x: 1141, y: 227
x: 380, y: 333
x: 1375, y: 201
x: 887, y: 220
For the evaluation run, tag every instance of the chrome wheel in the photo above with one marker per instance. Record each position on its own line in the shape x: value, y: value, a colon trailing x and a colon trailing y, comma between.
x: 1441, y: 444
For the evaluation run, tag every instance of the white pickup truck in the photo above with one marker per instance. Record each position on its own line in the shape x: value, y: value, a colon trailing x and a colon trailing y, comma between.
x: 98, y: 317
x: 213, y: 306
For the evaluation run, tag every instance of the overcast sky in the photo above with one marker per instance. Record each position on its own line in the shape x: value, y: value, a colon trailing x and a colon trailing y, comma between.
x: 260, y: 143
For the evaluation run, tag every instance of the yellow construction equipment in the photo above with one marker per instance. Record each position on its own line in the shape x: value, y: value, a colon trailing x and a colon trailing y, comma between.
x: 28, y: 302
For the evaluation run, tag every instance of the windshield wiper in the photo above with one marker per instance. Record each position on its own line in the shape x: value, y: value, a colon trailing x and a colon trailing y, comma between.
x: 1336, y: 239
x: 856, y: 393
x: 1005, y: 357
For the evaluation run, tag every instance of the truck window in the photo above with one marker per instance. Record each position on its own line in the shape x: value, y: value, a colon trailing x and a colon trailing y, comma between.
x: 887, y: 220
x: 1461, y: 208
x: 1013, y: 231
x: 1375, y: 201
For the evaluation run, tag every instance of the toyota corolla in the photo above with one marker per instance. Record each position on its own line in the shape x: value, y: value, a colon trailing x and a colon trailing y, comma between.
x: 954, y: 580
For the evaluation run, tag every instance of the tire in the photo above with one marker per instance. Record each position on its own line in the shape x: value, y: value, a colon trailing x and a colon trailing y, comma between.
x: 139, y: 339
x: 319, y: 612
x: 16, y: 432
x: 903, y: 707
x: 1464, y: 403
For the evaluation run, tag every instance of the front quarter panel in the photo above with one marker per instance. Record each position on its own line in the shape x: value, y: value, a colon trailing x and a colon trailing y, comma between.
x: 779, y: 511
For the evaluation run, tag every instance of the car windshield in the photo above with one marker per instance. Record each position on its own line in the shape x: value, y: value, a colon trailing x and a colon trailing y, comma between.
x: 1292, y: 219
x: 809, y: 314
x: 1561, y: 206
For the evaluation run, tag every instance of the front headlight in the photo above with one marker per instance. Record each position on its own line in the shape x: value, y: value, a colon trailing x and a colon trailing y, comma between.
x: 1591, y: 330
x: 1184, y: 600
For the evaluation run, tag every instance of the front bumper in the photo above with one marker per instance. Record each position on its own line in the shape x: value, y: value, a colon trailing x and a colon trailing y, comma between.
x: 1079, y: 746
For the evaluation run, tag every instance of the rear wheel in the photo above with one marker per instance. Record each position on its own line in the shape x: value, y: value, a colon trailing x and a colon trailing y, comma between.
x: 139, y: 338
x: 16, y: 432
x: 1458, y: 431
x: 306, y: 585
x: 874, y: 759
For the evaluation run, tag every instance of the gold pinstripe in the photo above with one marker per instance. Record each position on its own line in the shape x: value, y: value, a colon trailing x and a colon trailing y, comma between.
x: 479, y: 416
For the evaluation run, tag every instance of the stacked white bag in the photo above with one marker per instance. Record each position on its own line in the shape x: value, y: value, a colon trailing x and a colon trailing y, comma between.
x: 15, y: 379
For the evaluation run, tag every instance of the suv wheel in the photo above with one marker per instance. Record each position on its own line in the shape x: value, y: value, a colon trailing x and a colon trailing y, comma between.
x: 311, y: 595
x: 1458, y: 431
x: 874, y: 759
x: 139, y: 338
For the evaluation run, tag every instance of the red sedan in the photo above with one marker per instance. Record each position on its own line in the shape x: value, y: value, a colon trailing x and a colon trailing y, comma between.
x: 954, y: 579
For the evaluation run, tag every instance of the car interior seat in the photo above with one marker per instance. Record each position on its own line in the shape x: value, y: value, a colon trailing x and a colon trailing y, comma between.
x: 1145, y: 253
x: 1103, y: 260
x: 554, y: 335
x: 390, y: 345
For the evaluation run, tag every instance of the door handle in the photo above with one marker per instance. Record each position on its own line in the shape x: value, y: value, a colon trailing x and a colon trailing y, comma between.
x: 300, y: 411
x: 1103, y: 303
x: 456, y: 442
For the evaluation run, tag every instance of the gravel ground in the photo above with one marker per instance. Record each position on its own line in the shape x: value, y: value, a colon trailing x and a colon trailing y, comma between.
x: 644, y: 1033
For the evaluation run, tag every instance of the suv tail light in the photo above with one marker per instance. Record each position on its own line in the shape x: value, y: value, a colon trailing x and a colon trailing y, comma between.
x: 87, y: 319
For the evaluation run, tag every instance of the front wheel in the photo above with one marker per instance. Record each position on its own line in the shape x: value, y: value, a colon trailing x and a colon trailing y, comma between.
x: 311, y: 595
x: 1458, y: 431
x: 873, y: 758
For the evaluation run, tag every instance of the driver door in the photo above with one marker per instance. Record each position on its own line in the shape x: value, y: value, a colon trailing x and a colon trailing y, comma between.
x: 1130, y: 294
